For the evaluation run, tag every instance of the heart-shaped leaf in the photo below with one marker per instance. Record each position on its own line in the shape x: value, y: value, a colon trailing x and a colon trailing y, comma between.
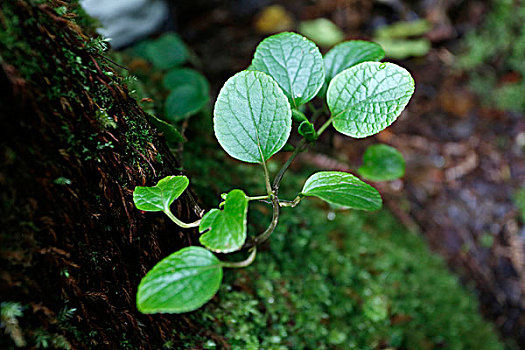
x: 342, y: 189
x: 167, y: 51
x: 294, y: 62
x: 350, y: 53
x: 160, y: 196
x: 368, y: 97
x: 252, y: 117
x: 181, y: 282
x: 227, y: 227
x: 382, y: 163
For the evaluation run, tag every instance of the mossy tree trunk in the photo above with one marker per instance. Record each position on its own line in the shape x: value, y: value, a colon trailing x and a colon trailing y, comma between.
x: 73, y: 146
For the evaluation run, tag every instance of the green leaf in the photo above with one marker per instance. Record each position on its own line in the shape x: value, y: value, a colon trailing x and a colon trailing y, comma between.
x: 184, y: 101
x: 307, y: 130
x: 172, y: 135
x: 342, y: 189
x: 186, y: 76
x: 252, y: 117
x: 181, y: 282
x: 294, y: 62
x: 160, y: 196
x: 382, y: 163
x: 400, y: 49
x: 227, y: 227
x: 403, y: 29
x: 368, y: 97
x: 167, y: 51
x: 350, y: 53
x: 322, y: 31
x: 189, y: 93
x: 298, y: 116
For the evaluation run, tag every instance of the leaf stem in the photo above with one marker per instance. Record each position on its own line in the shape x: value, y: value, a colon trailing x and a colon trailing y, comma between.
x: 275, y: 219
x: 243, y: 263
x: 285, y: 166
x: 267, y: 179
x: 180, y: 223
x: 258, y: 198
x: 325, y: 125
x: 285, y: 203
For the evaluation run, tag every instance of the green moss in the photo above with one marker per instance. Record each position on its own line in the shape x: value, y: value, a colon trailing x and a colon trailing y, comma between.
x: 360, y: 281
x: 139, y: 139
x: 330, y: 279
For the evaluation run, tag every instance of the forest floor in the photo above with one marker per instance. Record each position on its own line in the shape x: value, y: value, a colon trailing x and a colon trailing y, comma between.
x: 464, y: 160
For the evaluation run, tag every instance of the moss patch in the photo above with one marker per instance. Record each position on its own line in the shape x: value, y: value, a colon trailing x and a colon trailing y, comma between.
x: 331, y: 280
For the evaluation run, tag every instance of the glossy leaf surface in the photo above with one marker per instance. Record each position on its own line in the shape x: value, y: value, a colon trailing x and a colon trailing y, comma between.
x: 181, y: 282
x: 252, y: 117
x: 294, y: 62
x: 342, y: 189
x: 368, y: 97
x: 227, y: 227
x: 160, y: 196
x: 382, y: 163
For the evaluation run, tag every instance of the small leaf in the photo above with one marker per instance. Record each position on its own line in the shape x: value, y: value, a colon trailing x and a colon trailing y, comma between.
x: 167, y: 51
x: 185, y: 76
x: 298, y: 116
x: 294, y: 62
x: 350, y: 53
x: 184, y: 101
x: 322, y: 31
x: 227, y: 227
x: 368, y: 97
x: 252, y: 117
x: 172, y: 135
x: 342, y: 189
x: 307, y: 130
x: 189, y: 93
x: 400, y: 49
x: 181, y: 282
x: 382, y: 163
x: 160, y: 196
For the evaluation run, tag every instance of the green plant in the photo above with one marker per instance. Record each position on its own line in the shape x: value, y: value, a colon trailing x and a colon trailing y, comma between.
x: 252, y: 121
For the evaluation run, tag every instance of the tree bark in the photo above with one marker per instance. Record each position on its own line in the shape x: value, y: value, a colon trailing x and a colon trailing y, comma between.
x: 73, y: 147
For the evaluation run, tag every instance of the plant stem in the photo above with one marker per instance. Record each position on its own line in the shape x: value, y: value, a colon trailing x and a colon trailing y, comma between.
x: 275, y: 219
x: 240, y: 264
x: 285, y: 166
x: 284, y: 203
x: 180, y: 223
x: 324, y: 126
x: 267, y: 179
x: 258, y: 198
